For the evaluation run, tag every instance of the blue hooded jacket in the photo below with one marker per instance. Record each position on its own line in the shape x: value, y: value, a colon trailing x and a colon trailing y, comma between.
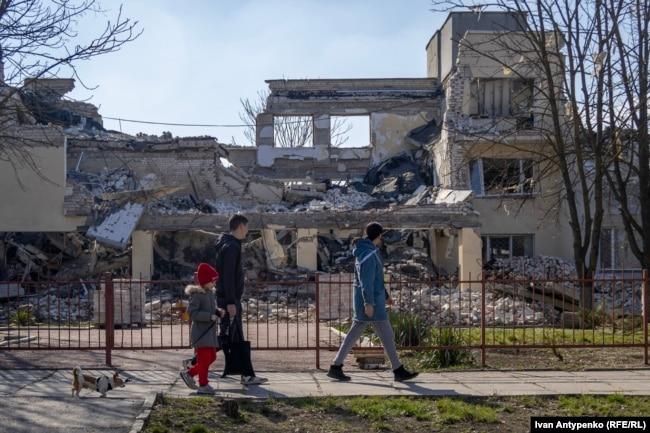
x: 369, y: 282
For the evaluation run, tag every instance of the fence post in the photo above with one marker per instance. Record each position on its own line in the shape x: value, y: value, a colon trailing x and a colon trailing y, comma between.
x: 483, y: 319
x: 109, y: 325
x: 644, y: 297
x: 317, y: 321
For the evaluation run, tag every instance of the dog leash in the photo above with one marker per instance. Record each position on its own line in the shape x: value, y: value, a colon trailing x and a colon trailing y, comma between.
x: 204, y: 332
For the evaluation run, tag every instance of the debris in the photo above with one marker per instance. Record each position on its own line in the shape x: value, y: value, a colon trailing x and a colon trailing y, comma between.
x: 424, y: 134
x: 339, y: 199
x: 116, y: 229
x: 451, y: 196
x: 71, y: 244
x: 395, y: 176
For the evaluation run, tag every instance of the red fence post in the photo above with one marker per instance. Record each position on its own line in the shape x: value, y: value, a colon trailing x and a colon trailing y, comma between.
x: 317, y: 321
x: 644, y: 297
x: 483, y: 319
x: 109, y: 325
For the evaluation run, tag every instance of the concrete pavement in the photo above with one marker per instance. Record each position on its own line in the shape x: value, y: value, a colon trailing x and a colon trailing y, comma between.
x: 56, y: 384
x: 40, y: 400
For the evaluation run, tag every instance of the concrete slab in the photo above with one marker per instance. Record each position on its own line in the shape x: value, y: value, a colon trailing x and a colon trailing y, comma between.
x: 68, y: 415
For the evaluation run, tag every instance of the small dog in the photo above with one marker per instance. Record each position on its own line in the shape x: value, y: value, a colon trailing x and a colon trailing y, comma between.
x: 101, y: 384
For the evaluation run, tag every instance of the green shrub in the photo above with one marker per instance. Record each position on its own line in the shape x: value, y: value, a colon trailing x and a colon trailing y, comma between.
x: 410, y: 330
x: 22, y: 317
x: 442, y: 358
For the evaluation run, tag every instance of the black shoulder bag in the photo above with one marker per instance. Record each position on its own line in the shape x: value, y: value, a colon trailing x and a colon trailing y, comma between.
x: 236, y: 350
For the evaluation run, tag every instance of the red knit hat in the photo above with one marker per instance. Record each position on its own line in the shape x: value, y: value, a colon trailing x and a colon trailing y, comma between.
x: 206, y: 274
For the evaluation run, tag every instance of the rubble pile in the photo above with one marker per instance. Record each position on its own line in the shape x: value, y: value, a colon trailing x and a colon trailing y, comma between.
x: 166, y: 311
x: 537, y: 268
x: 53, y: 305
x: 555, y: 279
x: 340, y: 200
x: 405, y: 255
x: 60, y: 256
x: 448, y: 306
x: 619, y: 298
x: 395, y: 176
x: 279, y: 309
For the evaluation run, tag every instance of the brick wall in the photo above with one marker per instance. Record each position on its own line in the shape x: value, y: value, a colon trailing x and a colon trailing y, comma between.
x: 193, y: 167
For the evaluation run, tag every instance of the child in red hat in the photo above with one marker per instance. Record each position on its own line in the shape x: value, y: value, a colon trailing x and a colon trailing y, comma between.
x: 204, y: 314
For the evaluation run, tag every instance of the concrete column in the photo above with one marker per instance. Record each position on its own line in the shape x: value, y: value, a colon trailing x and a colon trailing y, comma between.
x: 142, y: 255
x: 264, y: 130
x: 322, y: 133
x: 275, y: 255
x: 433, y: 247
x: 469, y: 258
x: 307, y: 249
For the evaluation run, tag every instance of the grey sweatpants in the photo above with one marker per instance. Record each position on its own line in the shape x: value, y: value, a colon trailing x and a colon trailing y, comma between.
x: 384, y: 331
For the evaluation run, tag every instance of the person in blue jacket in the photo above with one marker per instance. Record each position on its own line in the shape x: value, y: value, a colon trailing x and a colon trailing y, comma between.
x: 370, y: 297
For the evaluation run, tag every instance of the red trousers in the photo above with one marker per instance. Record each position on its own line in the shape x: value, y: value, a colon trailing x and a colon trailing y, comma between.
x: 204, y: 357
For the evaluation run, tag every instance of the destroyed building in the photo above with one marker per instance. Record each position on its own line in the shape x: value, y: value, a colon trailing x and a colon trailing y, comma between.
x: 150, y: 207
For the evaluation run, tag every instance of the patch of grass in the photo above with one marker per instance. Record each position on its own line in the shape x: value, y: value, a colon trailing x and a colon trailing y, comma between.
x: 454, y: 411
x: 157, y: 429
x: 385, y: 409
x: 203, y: 402
x: 320, y: 404
x: 381, y: 413
x: 529, y: 401
x: 609, y: 405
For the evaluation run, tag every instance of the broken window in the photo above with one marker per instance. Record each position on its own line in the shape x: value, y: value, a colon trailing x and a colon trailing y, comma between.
x: 293, y: 131
x: 495, y: 177
x: 507, y: 246
x: 521, y: 98
x: 493, y: 97
x: 350, y: 131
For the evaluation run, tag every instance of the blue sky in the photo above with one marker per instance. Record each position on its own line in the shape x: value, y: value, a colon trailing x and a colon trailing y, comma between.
x: 197, y: 58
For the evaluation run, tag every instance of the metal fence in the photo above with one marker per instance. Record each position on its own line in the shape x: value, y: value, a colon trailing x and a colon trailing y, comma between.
x: 314, y: 313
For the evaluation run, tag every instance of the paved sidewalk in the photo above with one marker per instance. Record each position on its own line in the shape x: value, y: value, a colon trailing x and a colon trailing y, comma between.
x: 32, y: 399
x: 56, y: 384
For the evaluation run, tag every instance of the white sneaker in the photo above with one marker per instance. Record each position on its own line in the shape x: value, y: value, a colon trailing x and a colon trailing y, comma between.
x: 253, y: 380
x: 206, y: 390
x: 189, y: 380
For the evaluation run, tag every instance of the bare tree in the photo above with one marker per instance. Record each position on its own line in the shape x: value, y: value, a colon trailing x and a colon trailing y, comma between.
x: 289, y: 131
x: 561, y: 43
x: 40, y: 39
x: 625, y: 59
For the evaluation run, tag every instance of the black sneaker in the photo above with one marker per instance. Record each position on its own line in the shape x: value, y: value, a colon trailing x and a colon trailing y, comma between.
x: 402, y: 374
x: 336, y: 372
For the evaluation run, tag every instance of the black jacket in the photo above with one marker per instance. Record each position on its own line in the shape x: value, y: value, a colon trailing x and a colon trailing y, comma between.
x: 231, y: 274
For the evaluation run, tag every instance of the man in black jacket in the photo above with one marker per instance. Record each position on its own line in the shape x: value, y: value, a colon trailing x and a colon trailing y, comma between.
x: 231, y: 282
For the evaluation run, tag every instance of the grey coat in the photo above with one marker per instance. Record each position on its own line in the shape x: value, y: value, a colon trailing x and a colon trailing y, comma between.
x: 203, y: 304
